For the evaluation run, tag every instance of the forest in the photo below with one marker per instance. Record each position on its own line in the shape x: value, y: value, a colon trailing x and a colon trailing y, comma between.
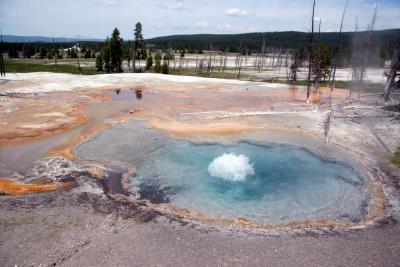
x: 384, y: 42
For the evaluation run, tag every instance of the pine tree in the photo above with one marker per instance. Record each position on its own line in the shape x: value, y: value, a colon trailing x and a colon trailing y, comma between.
x: 165, y: 68
x: 107, y: 56
x: 137, y: 43
x: 144, y: 54
x: 149, y: 62
x: 128, y: 54
x: 115, y: 45
x: 99, y: 62
x: 157, y: 58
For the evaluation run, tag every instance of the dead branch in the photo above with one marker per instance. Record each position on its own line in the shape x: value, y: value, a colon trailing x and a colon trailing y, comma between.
x: 310, y: 51
x: 338, y: 43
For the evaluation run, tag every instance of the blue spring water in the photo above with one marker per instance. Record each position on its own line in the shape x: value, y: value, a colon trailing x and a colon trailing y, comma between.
x: 263, y: 183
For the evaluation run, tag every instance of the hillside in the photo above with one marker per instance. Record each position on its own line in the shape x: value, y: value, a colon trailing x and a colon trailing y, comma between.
x: 43, y: 39
x: 254, y: 41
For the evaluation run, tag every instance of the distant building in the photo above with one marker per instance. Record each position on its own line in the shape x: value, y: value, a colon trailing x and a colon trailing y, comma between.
x: 75, y: 48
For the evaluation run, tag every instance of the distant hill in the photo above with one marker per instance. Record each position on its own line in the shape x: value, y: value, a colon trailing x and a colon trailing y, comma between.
x: 231, y: 42
x: 254, y: 41
x: 43, y: 39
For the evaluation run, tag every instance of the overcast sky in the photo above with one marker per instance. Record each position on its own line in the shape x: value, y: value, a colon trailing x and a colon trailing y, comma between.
x: 97, y: 18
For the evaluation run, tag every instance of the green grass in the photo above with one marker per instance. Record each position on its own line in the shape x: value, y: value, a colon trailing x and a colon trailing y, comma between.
x: 32, y: 65
x: 218, y: 75
x: 396, y: 159
x: 368, y: 87
x: 18, y: 67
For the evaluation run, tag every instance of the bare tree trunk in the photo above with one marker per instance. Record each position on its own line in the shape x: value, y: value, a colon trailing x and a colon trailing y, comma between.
x: 77, y: 59
x: 245, y: 58
x: 2, y: 65
x: 338, y: 43
x: 318, y: 72
x: 310, y: 51
x: 221, y: 59
x: 210, y: 60
x: 393, y: 72
x: 134, y: 56
x: 55, y: 54
x: 240, y: 65
x: 263, y: 55
x: 355, y: 61
x: 214, y: 62
x: 365, y: 50
x: 224, y: 64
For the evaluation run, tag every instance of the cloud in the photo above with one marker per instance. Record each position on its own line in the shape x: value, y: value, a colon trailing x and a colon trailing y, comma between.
x: 203, y: 24
x: 234, y: 28
x: 12, y: 15
x: 318, y: 19
x: 174, y: 5
x: 109, y: 2
x: 236, y: 12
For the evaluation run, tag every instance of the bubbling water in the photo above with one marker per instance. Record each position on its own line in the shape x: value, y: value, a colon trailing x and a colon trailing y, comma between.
x: 231, y: 167
x: 263, y: 183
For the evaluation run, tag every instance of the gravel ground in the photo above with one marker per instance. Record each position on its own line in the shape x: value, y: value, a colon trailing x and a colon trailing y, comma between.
x: 70, y: 229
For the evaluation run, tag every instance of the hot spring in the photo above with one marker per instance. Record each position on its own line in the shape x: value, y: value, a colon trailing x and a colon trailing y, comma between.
x: 262, y: 182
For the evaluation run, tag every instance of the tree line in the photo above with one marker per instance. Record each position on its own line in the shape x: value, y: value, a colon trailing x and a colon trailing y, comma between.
x: 115, y: 51
x: 384, y: 42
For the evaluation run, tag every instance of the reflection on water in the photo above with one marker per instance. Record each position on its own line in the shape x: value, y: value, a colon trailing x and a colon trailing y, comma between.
x: 125, y: 94
x: 139, y: 93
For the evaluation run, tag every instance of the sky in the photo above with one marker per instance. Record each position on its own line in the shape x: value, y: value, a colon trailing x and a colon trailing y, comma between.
x: 97, y: 18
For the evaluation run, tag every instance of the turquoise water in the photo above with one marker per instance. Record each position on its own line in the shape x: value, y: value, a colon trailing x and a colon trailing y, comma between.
x: 263, y: 183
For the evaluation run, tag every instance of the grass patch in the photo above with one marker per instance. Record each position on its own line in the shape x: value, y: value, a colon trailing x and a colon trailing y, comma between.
x: 368, y: 87
x: 373, y: 88
x: 218, y: 75
x: 31, y: 65
x: 395, y: 160
x: 18, y: 67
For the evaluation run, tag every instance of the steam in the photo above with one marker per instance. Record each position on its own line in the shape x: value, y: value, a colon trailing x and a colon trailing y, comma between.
x: 231, y: 167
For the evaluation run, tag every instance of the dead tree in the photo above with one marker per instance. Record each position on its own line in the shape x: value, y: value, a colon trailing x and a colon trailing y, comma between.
x: 392, y: 75
x: 221, y: 61
x: 336, y: 50
x: 55, y: 53
x: 355, y: 59
x: 318, y: 70
x: 77, y: 57
x: 209, y: 65
x: 2, y: 65
x: 310, y: 52
x: 263, y: 55
x: 239, y: 61
x: 224, y: 63
x: 200, y: 65
x: 240, y: 66
x: 363, y: 55
x: 294, y: 68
